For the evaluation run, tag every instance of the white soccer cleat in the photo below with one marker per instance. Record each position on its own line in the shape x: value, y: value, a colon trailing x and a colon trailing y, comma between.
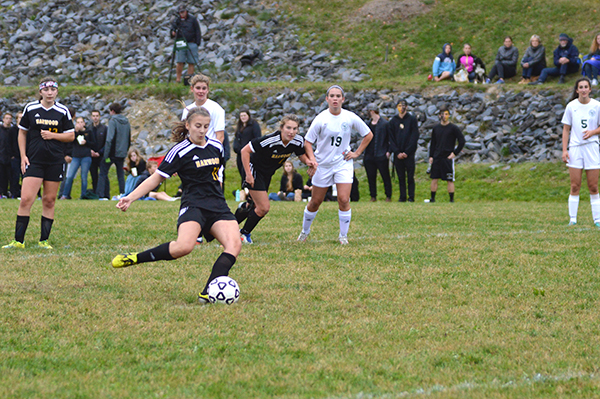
x: 302, y: 237
x: 343, y: 240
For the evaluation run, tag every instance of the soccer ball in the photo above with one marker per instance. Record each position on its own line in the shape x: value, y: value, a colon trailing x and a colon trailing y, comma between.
x: 223, y: 290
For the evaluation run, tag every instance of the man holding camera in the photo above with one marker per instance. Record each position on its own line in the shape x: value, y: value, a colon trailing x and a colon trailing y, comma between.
x: 186, y: 32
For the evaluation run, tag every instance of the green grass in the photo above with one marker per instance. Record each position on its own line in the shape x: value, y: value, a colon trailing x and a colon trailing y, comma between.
x: 474, y: 299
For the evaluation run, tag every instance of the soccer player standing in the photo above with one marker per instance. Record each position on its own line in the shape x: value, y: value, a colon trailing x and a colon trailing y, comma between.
x: 581, y: 122
x: 331, y: 131
x: 44, y: 128
x: 197, y: 160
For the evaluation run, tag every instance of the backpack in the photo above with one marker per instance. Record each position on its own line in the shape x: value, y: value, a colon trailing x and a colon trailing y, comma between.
x: 90, y: 195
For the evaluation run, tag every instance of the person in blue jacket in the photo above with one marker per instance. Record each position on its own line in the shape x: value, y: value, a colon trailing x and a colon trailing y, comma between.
x: 566, y: 61
x: 444, y: 65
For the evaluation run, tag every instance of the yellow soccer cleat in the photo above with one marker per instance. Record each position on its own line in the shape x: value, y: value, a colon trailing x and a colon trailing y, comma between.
x: 44, y: 244
x: 14, y: 244
x: 203, y: 299
x: 125, y: 260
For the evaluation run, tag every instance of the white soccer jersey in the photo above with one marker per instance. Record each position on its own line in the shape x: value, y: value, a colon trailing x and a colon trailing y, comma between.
x: 217, y: 117
x: 582, y: 117
x: 331, y: 134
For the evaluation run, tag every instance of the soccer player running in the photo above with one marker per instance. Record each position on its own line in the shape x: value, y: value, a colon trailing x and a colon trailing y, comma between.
x: 44, y: 129
x: 331, y: 131
x: 197, y: 160
x: 261, y: 157
x: 442, y: 152
x: 581, y: 122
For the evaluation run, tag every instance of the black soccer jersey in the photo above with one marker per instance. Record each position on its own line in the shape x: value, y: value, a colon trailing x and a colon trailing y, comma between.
x: 36, y: 118
x: 199, y: 169
x: 269, y: 153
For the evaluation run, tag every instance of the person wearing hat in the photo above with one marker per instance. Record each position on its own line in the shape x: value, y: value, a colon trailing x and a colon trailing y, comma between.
x: 185, y: 30
x: 403, y: 133
x: 377, y: 154
x: 566, y: 61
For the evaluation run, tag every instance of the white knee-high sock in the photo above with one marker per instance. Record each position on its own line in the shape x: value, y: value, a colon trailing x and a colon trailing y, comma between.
x: 307, y: 220
x: 573, y: 205
x: 345, y: 217
x: 595, y: 202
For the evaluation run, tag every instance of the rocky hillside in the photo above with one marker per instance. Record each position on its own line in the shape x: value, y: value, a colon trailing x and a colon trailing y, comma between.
x: 91, y: 42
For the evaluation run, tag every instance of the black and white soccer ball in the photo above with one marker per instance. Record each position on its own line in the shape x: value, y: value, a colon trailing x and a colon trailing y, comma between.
x: 223, y: 290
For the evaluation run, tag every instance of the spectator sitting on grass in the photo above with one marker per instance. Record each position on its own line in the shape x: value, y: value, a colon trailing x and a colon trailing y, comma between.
x: 534, y: 60
x: 444, y: 65
x: 591, y: 66
x: 472, y: 64
x: 505, y: 65
x: 566, y: 61
x: 151, y: 167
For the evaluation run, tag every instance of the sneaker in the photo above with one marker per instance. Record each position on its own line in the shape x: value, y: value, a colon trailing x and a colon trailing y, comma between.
x: 537, y: 82
x: 343, y: 240
x: 572, y: 223
x: 302, y: 237
x: 597, y: 224
x: 203, y: 299
x: 488, y: 81
x: 594, y: 82
x: 125, y: 260
x: 14, y: 244
x: 246, y: 238
x: 44, y: 244
x: 561, y: 80
x: 500, y: 82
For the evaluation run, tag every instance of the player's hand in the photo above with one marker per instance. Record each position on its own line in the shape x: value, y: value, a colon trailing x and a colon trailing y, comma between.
x: 124, y: 203
x: 587, y: 134
x: 47, y: 134
x: 350, y: 155
x: 451, y: 156
x: 430, y: 160
x: 250, y: 180
x: 565, y: 156
x: 24, y: 164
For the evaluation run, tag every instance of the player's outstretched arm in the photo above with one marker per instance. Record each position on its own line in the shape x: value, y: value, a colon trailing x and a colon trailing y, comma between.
x: 147, y: 185
x: 309, y: 155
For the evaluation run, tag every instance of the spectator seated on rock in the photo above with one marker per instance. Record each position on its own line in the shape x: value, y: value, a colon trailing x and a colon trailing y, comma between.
x: 505, y: 65
x: 566, y: 61
x: 591, y: 64
x: 472, y: 66
x: 534, y: 60
x: 444, y: 65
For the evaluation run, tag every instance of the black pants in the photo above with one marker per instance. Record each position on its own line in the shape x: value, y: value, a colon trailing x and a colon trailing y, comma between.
x: 4, y: 178
x: 503, y: 71
x: 381, y: 165
x: 15, y: 177
x: 240, y: 167
x: 405, y: 169
x: 94, y: 168
x: 103, y: 190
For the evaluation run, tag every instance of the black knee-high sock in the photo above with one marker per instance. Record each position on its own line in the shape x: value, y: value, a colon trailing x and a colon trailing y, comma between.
x: 433, y: 196
x: 21, y: 228
x: 46, y: 227
x: 155, y: 254
x: 221, y: 267
x: 251, y: 223
x: 451, y: 197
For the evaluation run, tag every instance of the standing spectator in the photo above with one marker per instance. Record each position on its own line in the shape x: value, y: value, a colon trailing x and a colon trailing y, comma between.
x: 5, y: 153
x: 98, y: 131
x: 200, y: 87
x: 444, y: 65
x: 581, y: 122
x: 15, y: 159
x: 377, y: 155
x: 472, y: 64
x: 45, y: 127
x: 82, y: 157
x: 247, y: 129
x: 534, y: 60
x: 505, y: 65
x: 330, y: 132
x: 403, y: 131
x: 566, y: 61
x: 68, y: 156
x: 442, y: 151
x: 186, y: 32
x: 591, y: 64
x: 118, y: 140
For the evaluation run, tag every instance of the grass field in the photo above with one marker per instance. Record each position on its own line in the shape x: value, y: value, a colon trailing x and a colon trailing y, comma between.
x: 474, y: 299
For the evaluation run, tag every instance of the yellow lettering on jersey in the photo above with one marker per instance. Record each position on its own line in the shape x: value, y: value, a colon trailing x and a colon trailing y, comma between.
x: 277, y: 156
x: 207, y: 162
x: 46, y: 122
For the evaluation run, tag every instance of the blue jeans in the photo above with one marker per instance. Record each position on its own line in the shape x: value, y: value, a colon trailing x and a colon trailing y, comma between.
x: 130, y: 184
x: 533, y: 70
x: 85, y: 164
x: 563, y: 70
x: 275, y: 197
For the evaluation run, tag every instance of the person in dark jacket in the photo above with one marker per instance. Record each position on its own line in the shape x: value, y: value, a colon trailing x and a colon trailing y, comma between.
x: 81, y: 156
x: 291, y: 185
x: 566, y: 61
x: 15, y: 159
x: 186, y: 32
x: 98, y: 131
x: 403, y: 132
x: 534, y: 60
x: 5, y: 153
x: 377, y: 154
x: 247, y: 130
x: 505, y: 65
x: 118, y: 140
x: 472, y: 64
x: 442, y: 151
x: 591, y: 64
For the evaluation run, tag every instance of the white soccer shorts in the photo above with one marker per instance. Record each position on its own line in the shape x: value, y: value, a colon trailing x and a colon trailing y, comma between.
x: 343, y: 172
x: 584, y: 157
